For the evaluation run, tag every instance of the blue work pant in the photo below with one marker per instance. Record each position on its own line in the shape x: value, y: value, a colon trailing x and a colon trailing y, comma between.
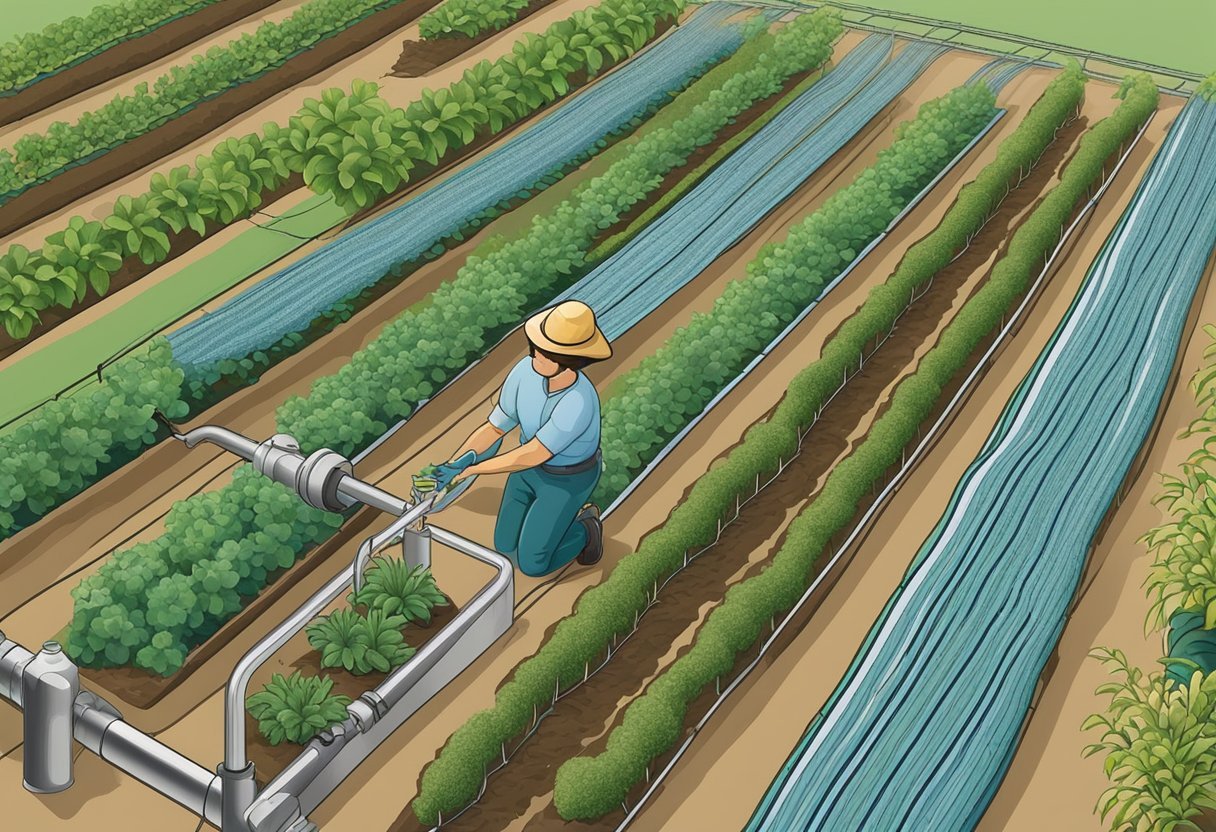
x: 536, y: 526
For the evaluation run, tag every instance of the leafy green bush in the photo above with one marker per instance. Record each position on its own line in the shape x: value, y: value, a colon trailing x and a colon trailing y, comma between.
x: 41, y: 155
x: 469, y: 18
x: 24, y: 58
x: 1158, y: 739
x: 396, y: 588
x: 218, y: 549
x: 58, y: 450
x: 296, y: 708
x: 360, y: 643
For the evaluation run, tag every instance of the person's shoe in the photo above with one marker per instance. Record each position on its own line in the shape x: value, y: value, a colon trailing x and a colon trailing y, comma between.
x: 594, y: 548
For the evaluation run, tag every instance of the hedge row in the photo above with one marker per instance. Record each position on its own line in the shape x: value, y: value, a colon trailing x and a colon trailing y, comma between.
x: 42, y: 155
x: 418, y: 352
x: 353, y: 145
x: 28, y: 56
x: 670, y: 387
x: 469, y: 18
x: 149, y: 604
x: 610, y: 609
x: 589, y: 787
x: 68, y: 443
x: 182, y: 564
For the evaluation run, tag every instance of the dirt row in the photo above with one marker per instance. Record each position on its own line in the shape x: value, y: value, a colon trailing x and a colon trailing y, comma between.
x: 418, y: 57
x: 433, y: 433
x: 129, y: 56
x: 520, y: 796
x: 370, y: 63
x: 729, y: 767
x: 133, y: 155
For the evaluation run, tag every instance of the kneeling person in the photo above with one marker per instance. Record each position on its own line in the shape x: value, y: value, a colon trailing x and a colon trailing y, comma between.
x: 544, y: 521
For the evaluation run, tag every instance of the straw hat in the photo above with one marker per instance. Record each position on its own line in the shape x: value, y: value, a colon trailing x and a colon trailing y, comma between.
x: 568, y: 329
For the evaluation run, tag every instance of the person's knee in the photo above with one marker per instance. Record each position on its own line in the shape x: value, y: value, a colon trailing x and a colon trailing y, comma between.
x: 533, y: 570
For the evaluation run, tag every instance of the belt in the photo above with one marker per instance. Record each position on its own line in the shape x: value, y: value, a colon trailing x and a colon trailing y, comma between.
x: 587, y: 464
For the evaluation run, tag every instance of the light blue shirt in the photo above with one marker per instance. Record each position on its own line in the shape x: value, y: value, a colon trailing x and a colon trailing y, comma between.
x: 567, y: 422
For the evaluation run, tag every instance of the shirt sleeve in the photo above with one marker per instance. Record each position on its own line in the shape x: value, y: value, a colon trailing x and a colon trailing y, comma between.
x: 568, y: 421
x: 505, y: 414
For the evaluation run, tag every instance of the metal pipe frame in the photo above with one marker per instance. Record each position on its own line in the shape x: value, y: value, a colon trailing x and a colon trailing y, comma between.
x: 235, y: 757
x: 328, y: 759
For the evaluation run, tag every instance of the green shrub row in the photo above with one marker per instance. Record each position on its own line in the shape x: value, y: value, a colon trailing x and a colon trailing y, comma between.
x: 353, y: 145
x: 65, y: 445
x: 24, y: 58
x: 417, y: 353
x: 469, y: 18
x: 589, y: 787
x: 149, y: 604
x: 201, y: 537
x: 610, y: 609
x: 39, y: 156
x: 656, y: 399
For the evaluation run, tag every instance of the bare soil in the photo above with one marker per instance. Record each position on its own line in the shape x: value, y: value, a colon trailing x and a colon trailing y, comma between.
x: 418, y: 57
x: 736, y: 756
x: 126, y: 56
x: 132, y: 155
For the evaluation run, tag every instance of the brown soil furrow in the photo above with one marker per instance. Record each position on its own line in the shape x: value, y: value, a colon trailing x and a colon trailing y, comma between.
x: 128, y: 56
x: 418, y: 57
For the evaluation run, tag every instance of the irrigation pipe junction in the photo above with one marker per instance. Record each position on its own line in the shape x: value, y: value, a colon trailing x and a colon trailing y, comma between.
x: 56, y: 710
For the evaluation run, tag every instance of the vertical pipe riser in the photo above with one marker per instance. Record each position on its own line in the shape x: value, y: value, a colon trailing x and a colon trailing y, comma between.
x: 416, y: 548
x: 49, y: 687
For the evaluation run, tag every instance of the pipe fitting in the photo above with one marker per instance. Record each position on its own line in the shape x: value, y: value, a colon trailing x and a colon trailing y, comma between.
x: 319, y: 476
x: 49, y: 686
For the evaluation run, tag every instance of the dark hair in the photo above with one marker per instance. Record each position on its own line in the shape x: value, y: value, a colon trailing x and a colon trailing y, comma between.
x: 566, y: 362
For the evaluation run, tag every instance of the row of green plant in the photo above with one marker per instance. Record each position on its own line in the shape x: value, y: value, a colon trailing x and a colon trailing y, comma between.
x: 353, y: 145
x: 39, y: 156
x: 27, y: 57
x: 675, y: 383
x: 417, y: 353
x: 677, y: 190
x: 469, y: 18
x: 505, y: 276
x: 610, y: 610
x: 116, y: 414
x: 1158, y: 729
x: 588, y: 787
x: 297, y: 707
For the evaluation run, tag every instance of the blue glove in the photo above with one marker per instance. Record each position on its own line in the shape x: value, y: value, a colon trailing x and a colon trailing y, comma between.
x: 445, y: 473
